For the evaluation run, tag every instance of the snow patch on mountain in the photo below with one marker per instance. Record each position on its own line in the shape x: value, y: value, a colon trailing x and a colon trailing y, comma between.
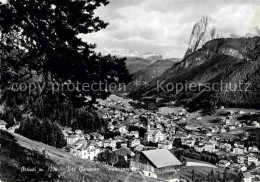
x: 120, y: 52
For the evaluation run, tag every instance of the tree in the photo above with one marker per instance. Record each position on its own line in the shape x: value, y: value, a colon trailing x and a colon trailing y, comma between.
x: 43, y: 36
x: 218, y: 176
x: 213, y: 177
x: 209, y: 177
x: 193, y: 175
x: 105, y: 156
x: 226, y: 176
x: 44, y: 131
x: 113, y: 158
x: 177, y: 142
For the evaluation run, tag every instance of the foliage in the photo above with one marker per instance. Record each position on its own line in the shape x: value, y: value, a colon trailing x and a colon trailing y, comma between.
x: 41, y: 44
x: 43, y: 131
x: 193, y: 154
x: 113, y: 158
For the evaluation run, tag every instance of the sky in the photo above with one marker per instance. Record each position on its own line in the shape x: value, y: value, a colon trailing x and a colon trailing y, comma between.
x: 164, y: 26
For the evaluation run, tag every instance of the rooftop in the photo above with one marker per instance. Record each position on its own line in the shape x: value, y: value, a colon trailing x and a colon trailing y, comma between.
x: 161, y: 158
x: 2, y: 122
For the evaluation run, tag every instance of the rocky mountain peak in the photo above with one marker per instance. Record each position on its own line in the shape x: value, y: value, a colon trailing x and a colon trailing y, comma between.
x: 203, y: 31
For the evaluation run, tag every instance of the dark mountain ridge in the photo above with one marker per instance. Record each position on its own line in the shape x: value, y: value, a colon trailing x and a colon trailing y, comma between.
x: 230, y: 60
x: 150, y: 72
x: 134, y: 64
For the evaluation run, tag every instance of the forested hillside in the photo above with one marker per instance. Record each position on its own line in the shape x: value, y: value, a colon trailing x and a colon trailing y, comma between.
x: 230, y: 61
x: 45, y: 67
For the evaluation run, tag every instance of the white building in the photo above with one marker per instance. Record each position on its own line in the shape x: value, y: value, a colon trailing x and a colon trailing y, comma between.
x: 134, y: 133
x: 109, y: 143
x: 223, y: 163
x: 123, y: 130
x: 71, y: 139
x: 134, y: 142
x: 86, y: 149
x: 239, y: 150
x: 154, y: 136
x: 3, y: 125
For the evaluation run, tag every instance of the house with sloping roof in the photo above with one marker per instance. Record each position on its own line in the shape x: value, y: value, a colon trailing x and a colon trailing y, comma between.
x: 85, y: 149
x: 139, y: 148
x: 247, y: 177
x: 158, y: 163
x: 239, y: 150
x: 71, y: 139
x: 134, y: 142
x: 134, y: 133
x: 109, y: 143
x: 223, y: 163
x: 154, y: 135
x: 165, y: 145
x: 3, y: 125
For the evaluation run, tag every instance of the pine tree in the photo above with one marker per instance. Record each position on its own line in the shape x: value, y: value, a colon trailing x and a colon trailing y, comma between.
x: 213, y: 177
x: 193, y: 175
x: 218, y: 176
x: 46, y: 33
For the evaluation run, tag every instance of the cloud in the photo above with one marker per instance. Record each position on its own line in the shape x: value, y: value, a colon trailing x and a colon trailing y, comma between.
x: 138, y: 27
x: 235, y: 19
x: 164, y: 26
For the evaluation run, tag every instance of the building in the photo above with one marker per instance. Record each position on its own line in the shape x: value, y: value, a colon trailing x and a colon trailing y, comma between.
x: 96, y: 136
x: 199, y: 148
x: 134, y: 133
x: 133, y: 142
x: 154, y: 136
x: 241, y: 159
x: 123, y: 130
x: 71, y: 139
x: 86, y: 149
x: 253, y: 149
x: 3, y: 125
x: 256, y: 124
x: 188, y: 141
x: 160, y: 163
x: 251, y: 158
x: 239, y: 150
x: 226, y: 147
x: 139, y: 148
x: 223, y: 163
x: 209, y: 147
x: 164, y: 145
x: 110, y: 143
x: 247, y: 177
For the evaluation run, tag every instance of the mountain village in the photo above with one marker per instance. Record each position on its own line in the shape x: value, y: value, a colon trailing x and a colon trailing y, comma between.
x: 146, y: 141
x: 153, y: 132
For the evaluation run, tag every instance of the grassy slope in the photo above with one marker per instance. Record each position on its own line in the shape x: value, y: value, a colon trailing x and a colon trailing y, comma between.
x: 10, y: 163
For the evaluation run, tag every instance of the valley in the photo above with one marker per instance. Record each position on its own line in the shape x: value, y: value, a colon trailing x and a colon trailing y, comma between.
x: 129, y: 91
